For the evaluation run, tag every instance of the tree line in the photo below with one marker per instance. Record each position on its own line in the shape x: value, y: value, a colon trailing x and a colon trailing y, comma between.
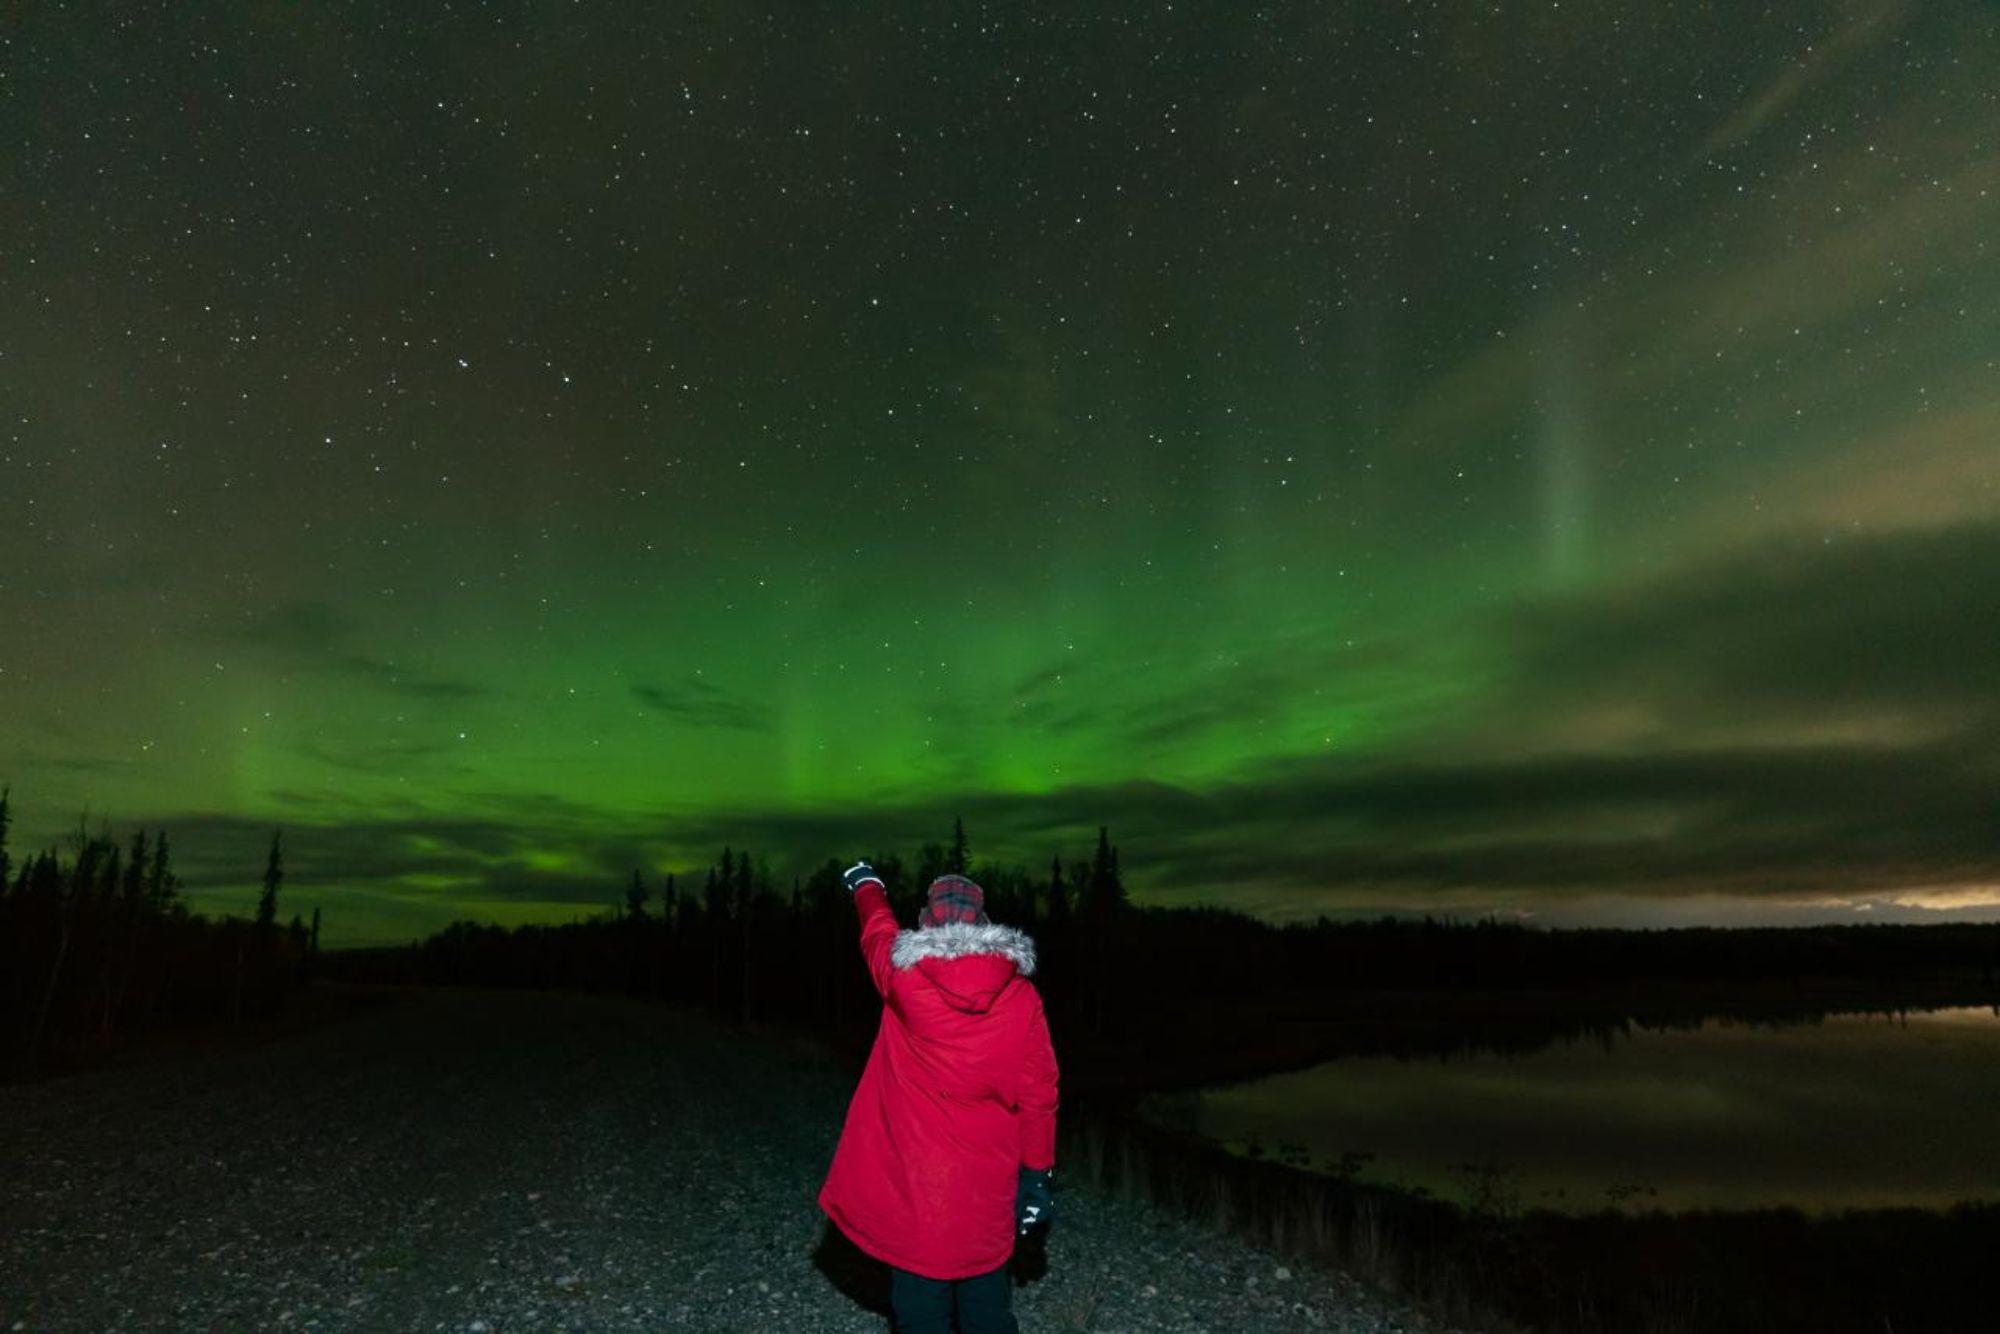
x: 1195, y: 988
x: 97, y: 942
x: 735, y: 941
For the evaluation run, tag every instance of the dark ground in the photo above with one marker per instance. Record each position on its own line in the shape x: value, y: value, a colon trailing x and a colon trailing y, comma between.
x: 487, y: 1161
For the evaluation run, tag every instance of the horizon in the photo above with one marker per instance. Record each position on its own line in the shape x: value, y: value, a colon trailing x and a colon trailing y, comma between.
x: 235, y: 896
x: 1535, y: 467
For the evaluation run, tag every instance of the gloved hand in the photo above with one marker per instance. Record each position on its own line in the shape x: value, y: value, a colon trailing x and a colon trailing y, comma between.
x: 1035, y: 1201
x: 858, y: 875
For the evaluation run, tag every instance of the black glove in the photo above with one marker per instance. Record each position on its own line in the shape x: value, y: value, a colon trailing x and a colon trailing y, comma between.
x: 1035, y: 1201
x: 858, y: 875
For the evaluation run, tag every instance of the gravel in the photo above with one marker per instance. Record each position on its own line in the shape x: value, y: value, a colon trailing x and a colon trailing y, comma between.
x: 495, y: 1161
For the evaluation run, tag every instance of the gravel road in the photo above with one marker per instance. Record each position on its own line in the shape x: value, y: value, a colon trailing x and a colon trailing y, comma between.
x: 490, y: 1161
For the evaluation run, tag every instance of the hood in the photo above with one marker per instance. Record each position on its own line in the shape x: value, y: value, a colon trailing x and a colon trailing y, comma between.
x: 970, y: 964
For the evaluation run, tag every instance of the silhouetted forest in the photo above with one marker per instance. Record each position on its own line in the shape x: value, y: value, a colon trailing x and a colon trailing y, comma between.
x: 96, y: 942
x: 1161, y: 997
x: 745, y: 948
x: 99, y: 944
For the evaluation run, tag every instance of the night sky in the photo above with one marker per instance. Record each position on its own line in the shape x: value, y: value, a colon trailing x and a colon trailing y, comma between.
x: 1535, y: 459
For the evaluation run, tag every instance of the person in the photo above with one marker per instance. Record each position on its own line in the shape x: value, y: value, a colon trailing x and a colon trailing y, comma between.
x: 948, y: 1151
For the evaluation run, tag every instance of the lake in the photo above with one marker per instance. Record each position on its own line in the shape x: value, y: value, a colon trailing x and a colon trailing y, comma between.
x: 1856, y: 1111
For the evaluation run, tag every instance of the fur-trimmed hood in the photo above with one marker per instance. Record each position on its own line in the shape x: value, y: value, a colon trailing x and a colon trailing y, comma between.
x: 970, y: 964
x: 959, y: 940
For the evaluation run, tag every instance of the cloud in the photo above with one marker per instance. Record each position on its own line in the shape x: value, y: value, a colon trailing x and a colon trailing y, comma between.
x: 313, y: 636
x: 1749, y: 782
x: 1820, y: 825
x: 1899, y: 624
x: 40, y: 761
x: 701, y: 703
x: 1769, y: 307
x: 304, y: 628
x: 1152, y: 707
x: 1318, y: 834
x: 384, y: 757
x: 1806, y: 719
x: 1817, y: 821
x: 466, y: 863
x: 1943, y: 474
x: 1866, y: 25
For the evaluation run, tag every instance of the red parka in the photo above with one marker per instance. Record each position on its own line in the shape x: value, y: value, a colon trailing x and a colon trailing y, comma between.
x: 958, y: 1095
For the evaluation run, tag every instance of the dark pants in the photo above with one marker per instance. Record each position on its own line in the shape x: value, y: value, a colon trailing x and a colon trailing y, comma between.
x: 985, y: 1303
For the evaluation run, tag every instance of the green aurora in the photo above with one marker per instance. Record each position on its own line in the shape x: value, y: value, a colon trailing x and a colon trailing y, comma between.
x: 1452, y: 461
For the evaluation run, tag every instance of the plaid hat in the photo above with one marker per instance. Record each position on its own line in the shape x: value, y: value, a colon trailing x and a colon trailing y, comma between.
x: 953, y: 898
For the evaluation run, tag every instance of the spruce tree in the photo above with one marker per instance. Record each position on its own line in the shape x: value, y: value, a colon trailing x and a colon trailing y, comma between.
x: 721, y: 887
x: 162, y: 888
x: 960, y: 860
x: 1105, y: 888
x: 109, y: 877
x: 267, y: 902
x: 133, y: 890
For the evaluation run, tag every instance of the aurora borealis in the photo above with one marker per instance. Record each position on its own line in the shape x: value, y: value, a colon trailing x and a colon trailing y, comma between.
x: 1420, y: 458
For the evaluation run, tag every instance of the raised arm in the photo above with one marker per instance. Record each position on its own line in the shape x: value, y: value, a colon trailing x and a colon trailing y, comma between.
x: 878, y: 923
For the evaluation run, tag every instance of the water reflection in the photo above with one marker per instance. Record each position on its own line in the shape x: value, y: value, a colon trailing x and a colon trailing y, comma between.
x: 1855, y: 1111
